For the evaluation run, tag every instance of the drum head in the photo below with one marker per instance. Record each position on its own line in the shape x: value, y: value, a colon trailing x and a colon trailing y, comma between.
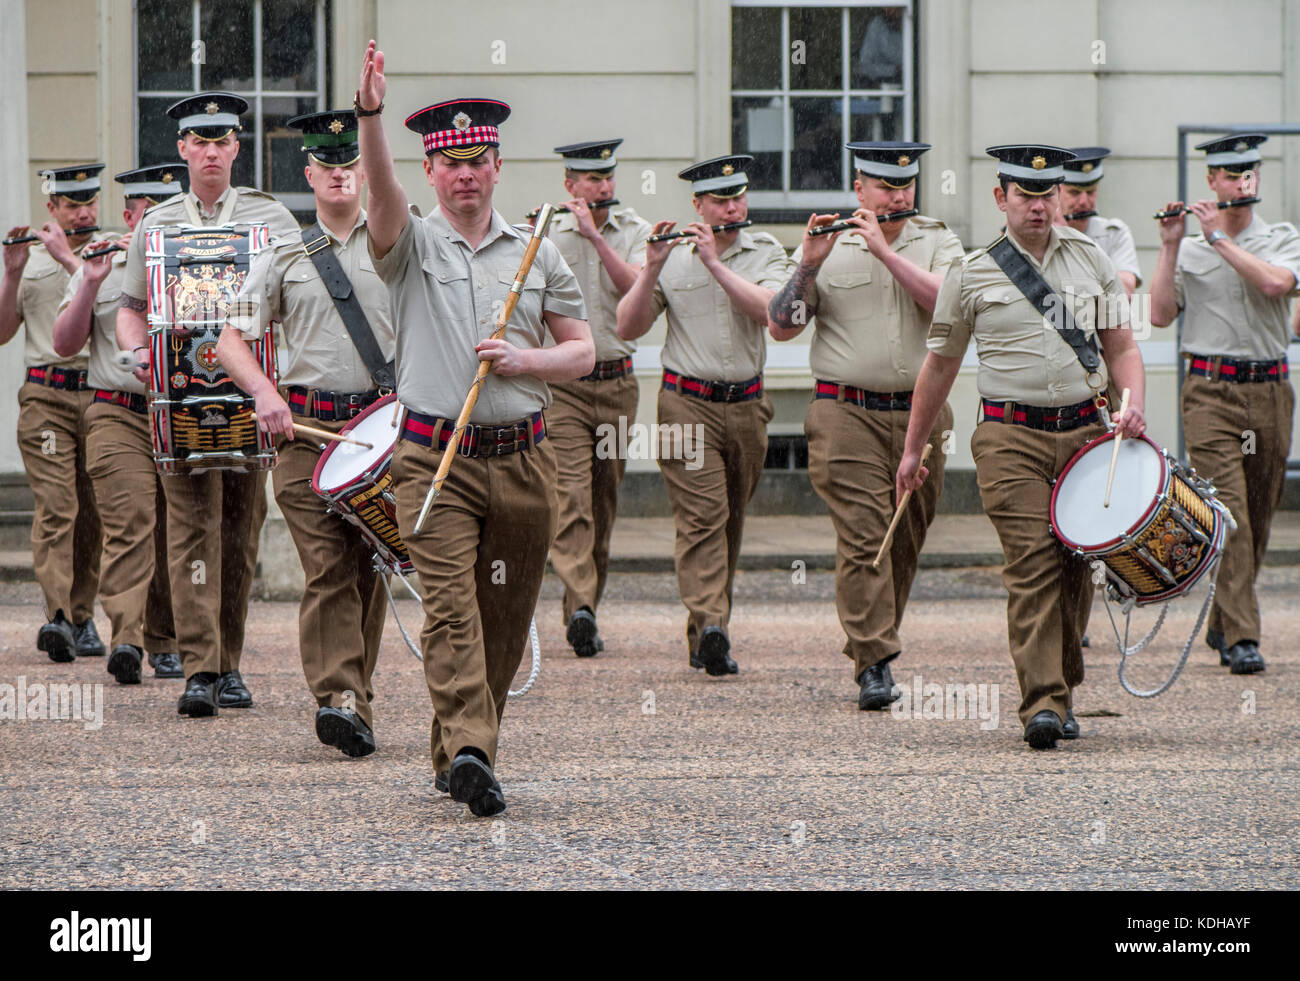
x: 342, y: 463
x: 1078, y: 514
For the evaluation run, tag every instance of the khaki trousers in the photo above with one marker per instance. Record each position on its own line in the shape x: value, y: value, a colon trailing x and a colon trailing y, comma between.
x: 1239, y: 436
x: 587, y: 480
x: 853, y: 457
x: 341, y: 617
x: 480, y: 558
x: 214, y: 520
x: 135, y: 588
x: 709, y: 487
x: 65, y: 526
x: 1049, y: 590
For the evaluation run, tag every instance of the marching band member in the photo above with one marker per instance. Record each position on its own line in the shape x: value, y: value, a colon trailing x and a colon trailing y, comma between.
x: 1078, y: 209
x: 213, y: 518
x: 482, y: 555
x: 327, y: 382
x: 52, y: 414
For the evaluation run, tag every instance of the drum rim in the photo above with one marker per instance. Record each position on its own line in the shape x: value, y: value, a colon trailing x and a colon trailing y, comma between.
x: 373, y: 407
x: 1137, y: 526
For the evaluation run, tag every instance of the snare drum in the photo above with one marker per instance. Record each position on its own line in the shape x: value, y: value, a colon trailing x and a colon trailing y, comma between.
x: 358, y: 485
x: 1164, y: 528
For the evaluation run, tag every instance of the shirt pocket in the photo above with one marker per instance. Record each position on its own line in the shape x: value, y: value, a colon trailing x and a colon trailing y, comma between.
x: 1198, y: 263
x: 848, y: 280
x: 1082, y: 298
x: 528, y: 308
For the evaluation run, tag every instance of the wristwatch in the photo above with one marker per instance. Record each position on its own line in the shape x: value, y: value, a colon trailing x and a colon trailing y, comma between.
x: 1215, y: 235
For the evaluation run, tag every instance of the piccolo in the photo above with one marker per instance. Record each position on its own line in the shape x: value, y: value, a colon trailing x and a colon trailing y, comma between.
x: 685, y: 232
x: 591, y: 206
x: 36, y: 238
x: 1223, y: 205
x: 841, y: 226
x: 1079, y: 215
x: 104, y: 251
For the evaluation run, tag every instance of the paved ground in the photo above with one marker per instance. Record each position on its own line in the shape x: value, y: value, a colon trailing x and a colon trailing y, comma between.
x: 632, y: 771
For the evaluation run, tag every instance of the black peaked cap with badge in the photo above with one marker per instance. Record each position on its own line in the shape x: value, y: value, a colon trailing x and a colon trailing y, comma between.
x: 460, y: 128
x: 208, y: 115
x: 153, y: 183
x: 594, y: 155
x: 1034, y: 167
x: 1085, y: 169
x: 723, y: 177
x: 329, y: 138
x: 897, y: 164
x: 79, y: 182
x: 1236, y: 153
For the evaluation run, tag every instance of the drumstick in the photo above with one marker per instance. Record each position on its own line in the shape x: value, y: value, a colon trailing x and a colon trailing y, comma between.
x: 449, y: 454
x: 902, y: 503
x: 1114, y: 456
x: 326, y: 434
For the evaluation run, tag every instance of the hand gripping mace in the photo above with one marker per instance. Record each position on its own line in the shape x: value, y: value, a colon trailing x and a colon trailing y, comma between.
x: 539, y: 232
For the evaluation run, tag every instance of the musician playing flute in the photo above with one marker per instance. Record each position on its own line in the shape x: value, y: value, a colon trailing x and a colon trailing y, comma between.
x: 52, y: 406
x: 482, y: 550
x: 135, y: 586
x: 1234, y: 281
x: 213, y: 518
x: 325, y: 383
x: 715, y: 289
x: 871, y: 291
x: 1078, y: 209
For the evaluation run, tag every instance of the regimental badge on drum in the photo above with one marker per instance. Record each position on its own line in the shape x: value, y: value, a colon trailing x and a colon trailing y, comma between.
x: 203, y: 360
x: 213, y: 417
x: 179, y: 379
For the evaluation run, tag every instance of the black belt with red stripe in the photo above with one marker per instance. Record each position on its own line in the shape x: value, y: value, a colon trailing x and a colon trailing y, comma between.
x: 1228, y: 369
x: 329, y: 406
x: 476, y: 440
x: 713, y: 391
x: 69, y: 379
x: 128, y: 400
x: 605, y: 370
x: 863, y: 398
x: 1058, y: 419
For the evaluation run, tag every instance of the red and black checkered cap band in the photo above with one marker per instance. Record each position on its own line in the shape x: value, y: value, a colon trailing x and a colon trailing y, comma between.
x: 474, y: 136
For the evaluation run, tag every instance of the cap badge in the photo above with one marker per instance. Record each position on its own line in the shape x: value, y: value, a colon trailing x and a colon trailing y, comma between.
x: 212, y: 108
x: 1242, y: 146
x: 1038, y: 163
x: 1087, y: 168
x: 605, y: 153
x: 904, y: 160
x: 167, y: 178
x: 462, y: 121
x: 728, y: 170
x: 336, y: 126
x: 81, y: 175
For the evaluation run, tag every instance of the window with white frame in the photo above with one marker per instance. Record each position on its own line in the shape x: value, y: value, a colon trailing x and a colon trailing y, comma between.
x: 795, y: 67
x: 271, y: 52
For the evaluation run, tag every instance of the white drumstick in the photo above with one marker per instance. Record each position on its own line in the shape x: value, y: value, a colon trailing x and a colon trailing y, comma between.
x: 326, y: 434
x: 1114, y: 456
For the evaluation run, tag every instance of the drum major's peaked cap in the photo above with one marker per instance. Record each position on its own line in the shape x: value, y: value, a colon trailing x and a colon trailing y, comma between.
x: 1236, y: 153
x: 595, y: 155
x: 153, y: 183
x: 1035, y: 167
x: 330, y: 138
x: 208, y: 115
x: 79, y: 182
x: 897, y: 164
x: 1085, y: 169
x: 723, y: 177
x: 460, y: 128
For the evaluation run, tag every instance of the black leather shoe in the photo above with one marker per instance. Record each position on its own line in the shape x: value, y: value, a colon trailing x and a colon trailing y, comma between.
x: 714, y: 653
x: 232, y: 693
x: 472, y: 782
x: 57, y: 639
x: 345, y: 729
x: 1244, y: 658
x: 166, y: 665
x: 876, y: 687
x: 1071, y: 728
x: 1085, y: 642
x: 581, y: 633
x: 88, y: 642
x: 200, y: 698
x: 440, y: 783
x: 1044, y: 730
x: 124, y: 664
x: 1216, y: 640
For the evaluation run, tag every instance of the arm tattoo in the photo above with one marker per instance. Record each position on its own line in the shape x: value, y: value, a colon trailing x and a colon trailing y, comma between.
x: 131, y: 303
x: 790, y: 308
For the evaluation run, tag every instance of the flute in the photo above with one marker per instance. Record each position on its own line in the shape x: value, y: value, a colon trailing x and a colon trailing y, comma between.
x: 1223, y: 205
x: 685, y: 232
x: 840, y: 226
x: 1077, y: 215
x: 104, y: 251
x: 591, y: 206
x: 36, y: 238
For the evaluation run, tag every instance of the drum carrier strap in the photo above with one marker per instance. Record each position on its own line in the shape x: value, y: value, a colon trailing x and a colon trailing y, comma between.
x: 316, y: 247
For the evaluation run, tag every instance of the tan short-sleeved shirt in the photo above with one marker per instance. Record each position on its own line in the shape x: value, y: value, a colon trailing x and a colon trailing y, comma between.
x: 626, y: 234
x: 182, y: 209
x: 445, y: 298
x: 1117, y: 242
x: 1023, y: 358
x: 708, y: 338
x: 869, y: 332
x: 40, y: 291
x: 104, y: 371
x: 1226, y: 315
x: 284, y: 286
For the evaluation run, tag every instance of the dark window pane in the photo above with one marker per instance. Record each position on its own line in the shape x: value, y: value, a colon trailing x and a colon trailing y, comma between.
x: 818, y: 145
x: 755, y: 48
x: 282, y: 157
x: 876, y: 48
x: 157, y: 133
x: 756, y: 128
x: 226, y: 29
x: 877, y: 118
x: 289, y: 45
x: 165, y: 30
x: 820, y: 29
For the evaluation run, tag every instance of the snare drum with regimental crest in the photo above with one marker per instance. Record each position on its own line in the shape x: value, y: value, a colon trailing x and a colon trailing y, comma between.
x: 1164, y: 528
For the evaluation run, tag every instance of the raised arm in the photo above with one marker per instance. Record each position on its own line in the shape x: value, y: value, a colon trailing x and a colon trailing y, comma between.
x: 73, y: 325
x: 636, y: 310
x: 386, y: 212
